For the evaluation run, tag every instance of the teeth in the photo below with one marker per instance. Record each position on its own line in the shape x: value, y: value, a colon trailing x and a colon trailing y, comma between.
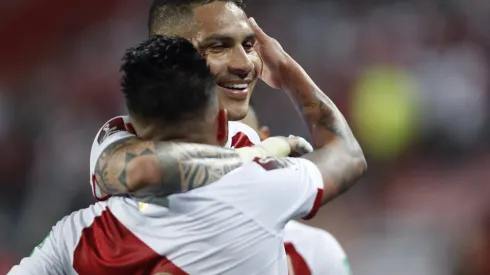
x: 236, y: 86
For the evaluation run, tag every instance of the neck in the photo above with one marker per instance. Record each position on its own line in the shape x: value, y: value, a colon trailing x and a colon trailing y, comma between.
x: 190, y: 138
x: 182, y: 134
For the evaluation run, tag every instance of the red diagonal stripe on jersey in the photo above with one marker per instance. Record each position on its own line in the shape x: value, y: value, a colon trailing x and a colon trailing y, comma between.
x: 316, y: 204
x: 240, y: 140
x: 299, y: 265
x: 108, y: 247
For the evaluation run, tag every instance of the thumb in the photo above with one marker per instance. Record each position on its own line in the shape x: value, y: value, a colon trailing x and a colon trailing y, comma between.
x: 260, y: 34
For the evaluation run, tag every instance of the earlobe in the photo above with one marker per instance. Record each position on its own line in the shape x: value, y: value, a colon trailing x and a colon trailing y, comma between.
x: 222, y: 121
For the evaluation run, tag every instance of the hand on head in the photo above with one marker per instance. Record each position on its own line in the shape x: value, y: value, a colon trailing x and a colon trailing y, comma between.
x: 273, y: 56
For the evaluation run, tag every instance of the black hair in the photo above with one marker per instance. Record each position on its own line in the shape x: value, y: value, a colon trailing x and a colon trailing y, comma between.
x: 165, y: 80
x: 167, y: 15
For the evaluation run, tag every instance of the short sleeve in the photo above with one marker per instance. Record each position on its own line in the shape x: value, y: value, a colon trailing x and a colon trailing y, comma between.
x: 46, y: 258
x: 114, y: 130
x: 274, y: 191
x: 299, y: 184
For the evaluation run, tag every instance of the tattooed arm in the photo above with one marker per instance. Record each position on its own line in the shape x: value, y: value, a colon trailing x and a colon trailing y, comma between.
x: 338, y: 156
x: 161, y: 168
x: 145, y: 168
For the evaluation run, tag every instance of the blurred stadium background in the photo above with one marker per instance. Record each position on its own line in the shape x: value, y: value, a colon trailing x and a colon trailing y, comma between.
x: 412, y: 77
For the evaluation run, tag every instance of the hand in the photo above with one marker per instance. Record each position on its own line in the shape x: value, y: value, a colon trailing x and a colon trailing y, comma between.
x: 264, y: 132
x: 273, y: 57
x: 299, y: 146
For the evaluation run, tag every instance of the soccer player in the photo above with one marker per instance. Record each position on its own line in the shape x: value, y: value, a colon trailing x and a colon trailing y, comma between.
x: 222, y: 33
x: 310, y: 250
x: 233, y: 226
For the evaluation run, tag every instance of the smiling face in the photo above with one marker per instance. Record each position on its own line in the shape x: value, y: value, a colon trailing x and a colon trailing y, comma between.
x: 225, y: 38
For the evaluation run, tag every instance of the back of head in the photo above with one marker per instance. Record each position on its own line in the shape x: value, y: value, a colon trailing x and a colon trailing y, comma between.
x: 168, y: 86
x: 174, y: 17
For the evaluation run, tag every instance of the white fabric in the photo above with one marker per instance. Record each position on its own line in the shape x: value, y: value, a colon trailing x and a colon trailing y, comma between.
x: 234, y: 226
x: 320, y: 250
x: 320, y: 253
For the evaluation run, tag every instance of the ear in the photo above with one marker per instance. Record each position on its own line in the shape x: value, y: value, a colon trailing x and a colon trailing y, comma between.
x: 264, y: 133
x: 222, y: 123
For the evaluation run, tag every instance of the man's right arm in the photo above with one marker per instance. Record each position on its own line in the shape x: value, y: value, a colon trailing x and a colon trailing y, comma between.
x: 161, y: 168
x: 338, y: 156
x: 122, y: 163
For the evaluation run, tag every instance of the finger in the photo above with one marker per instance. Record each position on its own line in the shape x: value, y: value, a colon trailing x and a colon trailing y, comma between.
x: 304, y: 147
x: 307, y: 147
x: 264, y: 133
x: 261, y: 35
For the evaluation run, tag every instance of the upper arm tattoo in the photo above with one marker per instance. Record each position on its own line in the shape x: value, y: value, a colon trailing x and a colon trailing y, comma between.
x: 183, y: 166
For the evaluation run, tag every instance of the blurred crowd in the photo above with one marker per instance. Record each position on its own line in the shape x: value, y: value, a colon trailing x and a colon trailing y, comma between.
x: 411, y: 77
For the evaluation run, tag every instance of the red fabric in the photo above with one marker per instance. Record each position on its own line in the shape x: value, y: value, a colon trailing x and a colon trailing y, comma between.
x: 316, y: 205
x: 240, y: 140
x: 299, y: 265
x: 108, y: 247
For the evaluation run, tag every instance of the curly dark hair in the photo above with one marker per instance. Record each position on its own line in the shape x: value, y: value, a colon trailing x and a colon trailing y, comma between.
x: 166, y: 80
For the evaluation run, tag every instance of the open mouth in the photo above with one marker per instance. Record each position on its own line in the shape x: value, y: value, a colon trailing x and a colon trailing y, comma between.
x: 234, y: 86
x: 235, y: 90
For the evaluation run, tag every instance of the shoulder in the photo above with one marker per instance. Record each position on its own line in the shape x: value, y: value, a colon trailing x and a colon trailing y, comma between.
x: 312, y: 237
x: 80, y: 219
x: 113, y: 126
x: 320, y: 249
x: 241, y: 135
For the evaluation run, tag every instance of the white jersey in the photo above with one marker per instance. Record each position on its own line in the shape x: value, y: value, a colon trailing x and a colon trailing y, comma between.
x: 311, y: 251
x: 233, y: 226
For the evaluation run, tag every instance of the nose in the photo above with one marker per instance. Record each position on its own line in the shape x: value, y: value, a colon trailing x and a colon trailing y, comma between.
x: 240, y: 63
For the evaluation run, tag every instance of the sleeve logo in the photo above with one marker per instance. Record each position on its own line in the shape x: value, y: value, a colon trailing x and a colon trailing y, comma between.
x: 110, y: 128
x: 39, y: 246
x: 271, y: 163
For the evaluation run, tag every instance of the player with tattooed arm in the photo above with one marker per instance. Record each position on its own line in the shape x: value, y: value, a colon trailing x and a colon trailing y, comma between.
x: 226, y: 42
x: 309, y: 250
x: 232, y: 226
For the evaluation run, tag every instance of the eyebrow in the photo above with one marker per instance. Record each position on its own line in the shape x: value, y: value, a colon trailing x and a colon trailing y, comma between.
x: 223, y: 37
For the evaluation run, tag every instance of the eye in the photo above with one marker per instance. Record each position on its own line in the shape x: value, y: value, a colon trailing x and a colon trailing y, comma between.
x: 249, y: 45
x: 217, y: 48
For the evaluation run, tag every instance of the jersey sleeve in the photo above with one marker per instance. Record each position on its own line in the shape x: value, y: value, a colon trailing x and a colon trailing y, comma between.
x: 298, y: 184
x: 46, y: 259
x: 114, y: 130
x: 275, y: 190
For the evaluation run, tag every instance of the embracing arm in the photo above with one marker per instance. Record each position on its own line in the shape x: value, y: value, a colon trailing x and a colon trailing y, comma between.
x: 338, y: 155
x: 147, y: 167
x: 132, y: 165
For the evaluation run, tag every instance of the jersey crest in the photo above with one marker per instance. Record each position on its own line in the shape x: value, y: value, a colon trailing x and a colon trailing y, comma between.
x: 272, y: 163
x: 110, y: 128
